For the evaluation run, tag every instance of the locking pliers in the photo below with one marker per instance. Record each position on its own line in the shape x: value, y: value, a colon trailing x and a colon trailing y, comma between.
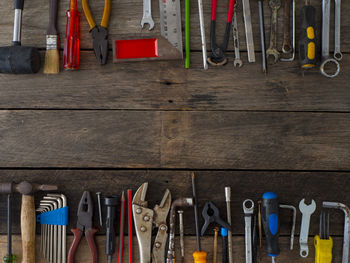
x: 144, y: 219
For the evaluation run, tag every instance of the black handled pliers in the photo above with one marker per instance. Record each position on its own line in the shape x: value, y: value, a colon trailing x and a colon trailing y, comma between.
x: 99, y: 32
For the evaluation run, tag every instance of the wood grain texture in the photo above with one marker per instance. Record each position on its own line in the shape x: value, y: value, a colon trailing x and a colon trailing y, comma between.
x: 170, y: 139
x: 126, y: 17
x: 190, y: 244
x: 291, y: 187
x: 168, y: 86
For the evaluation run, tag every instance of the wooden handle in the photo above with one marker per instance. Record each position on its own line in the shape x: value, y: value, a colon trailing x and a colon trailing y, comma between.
x: 52, y: 28
x: 28, y: 228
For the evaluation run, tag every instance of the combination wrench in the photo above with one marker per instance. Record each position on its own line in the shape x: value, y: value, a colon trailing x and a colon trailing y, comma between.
x: 287, y: 44
x: 248, y: 209
x: 248, y: 30
x: 272, y: 50
x: 237, y: 61
x: 337, y: 54
x: 147, y: 15
x: 293, y: 36
x: 307, y: 211
x: 326, y: 60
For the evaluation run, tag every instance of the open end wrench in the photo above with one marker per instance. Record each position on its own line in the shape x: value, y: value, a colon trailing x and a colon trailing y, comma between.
x: 237, y: 61
x: 307, y: 211
x: 272, y: 50
x: 248, y: 209
x: 147, y: 15
x: 337, y: 54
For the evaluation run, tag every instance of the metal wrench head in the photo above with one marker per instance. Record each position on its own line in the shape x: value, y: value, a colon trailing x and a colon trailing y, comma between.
x: 140, y: 195
x: 147, y: 20
x: 307, y: 209
x: 273, y: 52
x: 248, y: 207
x: 161, y: 211
x: 237, y: 63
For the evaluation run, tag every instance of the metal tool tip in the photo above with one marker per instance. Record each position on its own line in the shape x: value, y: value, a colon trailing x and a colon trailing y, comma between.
x: 228, y: 193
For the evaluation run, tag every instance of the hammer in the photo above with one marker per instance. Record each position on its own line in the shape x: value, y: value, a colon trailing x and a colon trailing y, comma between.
x: 27, y: 214
x: 17, y: 59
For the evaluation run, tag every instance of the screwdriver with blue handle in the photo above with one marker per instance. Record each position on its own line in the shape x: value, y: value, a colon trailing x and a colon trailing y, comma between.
x: 271, y: 223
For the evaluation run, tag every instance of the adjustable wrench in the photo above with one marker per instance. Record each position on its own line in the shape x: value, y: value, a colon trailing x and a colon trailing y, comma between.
x: 237, y: 61
x: 337, y: 54
x: 307, y: 211
x: 248, y: 209
x: 147, y: 15
x: 248, y: 30
x: 272, y: 50
x: 325, y: 42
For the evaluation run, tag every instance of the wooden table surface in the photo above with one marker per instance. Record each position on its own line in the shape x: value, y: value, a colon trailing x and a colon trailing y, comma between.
x: 113, y: 127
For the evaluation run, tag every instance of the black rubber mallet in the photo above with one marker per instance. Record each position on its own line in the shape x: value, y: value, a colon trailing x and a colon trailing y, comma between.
x: 17, y: 59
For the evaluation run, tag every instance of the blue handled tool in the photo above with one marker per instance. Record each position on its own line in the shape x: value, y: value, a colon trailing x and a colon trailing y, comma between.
x: 271, y: 223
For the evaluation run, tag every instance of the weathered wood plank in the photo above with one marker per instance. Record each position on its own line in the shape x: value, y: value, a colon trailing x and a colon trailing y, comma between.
x: 167, y: 85
x: 126, y: 17
x: 286, y: 255
x: 291, y: 187
x: 170, y: 139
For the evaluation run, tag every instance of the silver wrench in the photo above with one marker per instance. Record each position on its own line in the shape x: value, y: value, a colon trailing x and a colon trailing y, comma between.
x: 307, y: 211
x: 248, y: 209
x: 203, y: 39
x: 147, y: 15
x: 346, y: 242
x: 237, y: 61
x: 272, y: 50
x: 337, y: 54
x: 326, y: 60
x: 248, y: 30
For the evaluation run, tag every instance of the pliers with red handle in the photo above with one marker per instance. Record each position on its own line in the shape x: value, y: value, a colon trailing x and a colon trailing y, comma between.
x: 84, y: 226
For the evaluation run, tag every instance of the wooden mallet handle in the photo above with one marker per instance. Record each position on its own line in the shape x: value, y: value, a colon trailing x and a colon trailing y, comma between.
x: 28, y: 225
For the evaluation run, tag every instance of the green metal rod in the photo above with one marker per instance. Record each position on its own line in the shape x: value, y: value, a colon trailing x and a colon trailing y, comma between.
x: 187, y: 33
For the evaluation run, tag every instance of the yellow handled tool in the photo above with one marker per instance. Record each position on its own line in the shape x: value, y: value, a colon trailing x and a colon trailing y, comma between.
x: 323, y: 242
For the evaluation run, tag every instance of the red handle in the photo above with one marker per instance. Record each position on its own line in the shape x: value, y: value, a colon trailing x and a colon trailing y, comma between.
x: 90, y: 238
x: 77, y: 237
x: 71, y: 41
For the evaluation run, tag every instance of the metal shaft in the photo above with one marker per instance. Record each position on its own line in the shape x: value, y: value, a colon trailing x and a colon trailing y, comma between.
x: 99, y: 207
x: 262, y: 36
x: 203, y: 39
x: 228, y: 208
x: 195, y: 207
x: 181, y: 228
x: 215, y: 249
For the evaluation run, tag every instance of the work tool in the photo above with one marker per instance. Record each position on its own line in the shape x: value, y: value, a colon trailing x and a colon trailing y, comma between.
x: 203, y: 38
x: 346, y: 241
x: 337, y: 18
x: 111, y: 205
x: 210, y: 214
x: 248, y: 30
x: 286, y: 44
x: 144, y: 219
x: 182, y: 240
x: 17, y: 59
x: 272, y: 49
x: 27, y: 214
x: 248, y: 209
x: 229, y: 234
x: 48, y: 247
x: 307, y: 39
x: 71, y: 50
x: 254, y: 241
x: 9, y: 257
x: 224, y: 234
x: 259, y: 223
x: 328, y: 63
x: 45, y: 233
x: 121, y: 229
x: 262, y: 36
x: 187, y: 33
x: 53, y: 232
x: 199, y: 256
x: 98, y: 194
x: 84, y: 226
x: 218, y: 57
x: 294, y: 210
x: 99, y: 33
x: 147, y: 15
x: 215, y: 248
x: 237, y: 62
x: 286, y: 37
x: 129, y: 193
x: 52, y: 55
x: 323, y: 242
x: 271, y: 223
x: 181, y: 202
x: 307, y: 211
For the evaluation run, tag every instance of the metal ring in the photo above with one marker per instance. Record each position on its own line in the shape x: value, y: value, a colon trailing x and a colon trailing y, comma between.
x: 326, y: 61
x: 212, y: 62
x: 338, y: 56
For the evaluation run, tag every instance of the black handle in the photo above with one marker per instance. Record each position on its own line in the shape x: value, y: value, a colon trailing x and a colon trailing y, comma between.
x: 19, y: 4
x: 111, y: 203
x: 224, y: 233
x: 52, y: 28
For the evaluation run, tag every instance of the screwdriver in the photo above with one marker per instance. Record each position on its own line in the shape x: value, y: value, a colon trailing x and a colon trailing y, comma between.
x: 271, y: 223
x: 323, y: 242
x: 307, y: 42
x: 199, y: 256
x: 111, y: 204
x: 224, y: 234
x: 71, y: 41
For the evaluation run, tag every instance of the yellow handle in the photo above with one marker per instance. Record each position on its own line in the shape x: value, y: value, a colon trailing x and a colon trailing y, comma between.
x: 106, y: 14
x: 200, y: 257
x: 28, y: 228
x: 89, y: 17
x: 88, y: 14
x: 323, y: 250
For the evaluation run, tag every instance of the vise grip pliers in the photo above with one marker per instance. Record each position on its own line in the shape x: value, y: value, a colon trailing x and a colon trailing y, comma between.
x: 144, y: 219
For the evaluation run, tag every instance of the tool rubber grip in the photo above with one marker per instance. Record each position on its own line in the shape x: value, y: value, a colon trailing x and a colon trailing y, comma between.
x: 307, y: 41
x: 90, y: 238
x: 19, y: 4
x: 200, y: 257
x: 271, y: 222
x: 323, y: 249
x: 78, y: 234
x: 28, y: 224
